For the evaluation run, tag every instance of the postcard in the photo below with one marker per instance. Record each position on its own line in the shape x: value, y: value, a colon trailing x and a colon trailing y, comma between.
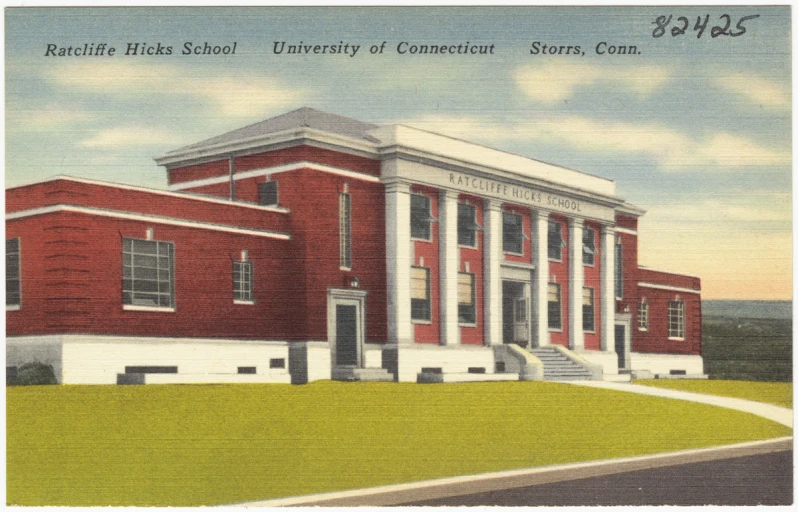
x: 513, y: 256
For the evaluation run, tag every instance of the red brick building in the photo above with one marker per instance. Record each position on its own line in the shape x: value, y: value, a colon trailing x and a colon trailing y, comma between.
x: 313, y: 246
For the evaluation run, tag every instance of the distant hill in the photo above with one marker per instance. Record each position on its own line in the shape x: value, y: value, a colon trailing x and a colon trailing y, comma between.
x: 765, y: 309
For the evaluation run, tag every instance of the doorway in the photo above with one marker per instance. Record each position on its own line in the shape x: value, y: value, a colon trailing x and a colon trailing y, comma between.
x: 346, y: 326
x: 515, y: 312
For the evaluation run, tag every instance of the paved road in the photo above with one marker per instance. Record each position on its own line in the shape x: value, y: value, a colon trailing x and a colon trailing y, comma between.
x: 765, y: 479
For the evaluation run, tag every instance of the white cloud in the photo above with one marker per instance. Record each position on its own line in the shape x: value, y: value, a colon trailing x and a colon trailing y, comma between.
x: 758, y: 90
x: 46, y: 118
x: 672, y: 150
x: 555, y: 82
x: 132, y: 136
x: 242, y: 95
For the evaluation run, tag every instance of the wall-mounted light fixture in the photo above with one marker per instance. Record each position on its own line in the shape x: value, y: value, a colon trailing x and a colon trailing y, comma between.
x: 354, y: 282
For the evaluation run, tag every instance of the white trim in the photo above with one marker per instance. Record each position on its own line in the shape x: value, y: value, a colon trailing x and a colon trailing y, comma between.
x: 157, y: 309
x: 675, y: 339
x: 244, y: 302
x: 181, y: 195
x: 625, y: 230
x: 144, y: 218
x: 15, y: 307
x: 667, y: 271
x: 268, y: 171
x: 268, y: 139
x: 666, y: 287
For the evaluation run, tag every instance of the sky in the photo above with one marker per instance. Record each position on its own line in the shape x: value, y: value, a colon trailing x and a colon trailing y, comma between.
x: 697, y: 131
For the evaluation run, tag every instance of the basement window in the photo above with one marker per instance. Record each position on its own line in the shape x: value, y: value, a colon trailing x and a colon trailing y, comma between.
x: 247, y: 370
x: 150, y: 369
x: 277, y: 363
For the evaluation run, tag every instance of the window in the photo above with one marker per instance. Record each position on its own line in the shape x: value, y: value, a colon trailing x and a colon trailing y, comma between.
x: 345, y: 229
x: 421, y: 217
x: 267, y: 193
x: 420, y: 296
x: 555, y: 316
x: 466, y: 303
x: 556, y: 243
x: 13, y: 289
x: 676, y: 319
x: 589, y: 247
x: 242, y: 281
x: 513, y: 233
x: 588, y: 310
x: 277, y: 363
x: 467, y: 226
x: 642, y: 316
x: 248, y: 370
x: 618, y: 271
x: 147, y: 273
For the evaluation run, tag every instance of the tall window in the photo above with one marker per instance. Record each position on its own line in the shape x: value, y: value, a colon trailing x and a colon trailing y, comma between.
x: 13, y: 289
x: 345, y: 229
x: 467, y: 226
x: 618, y: 271
x: 420, y: 296
x: 556, y: 243
x: 466, y: 300
x: 588, y: 310
x: 420, y: 217
x: 267, y: 193
x: 642, y: 316
x: 555, y: 311
x: 513, y: 233
x: 676, y: 319
x: 589, y: 247
x: 243, y: 281
x: 147, y: 273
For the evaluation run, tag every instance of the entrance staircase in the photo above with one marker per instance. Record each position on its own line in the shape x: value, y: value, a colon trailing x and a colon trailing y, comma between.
x: 558, y: 366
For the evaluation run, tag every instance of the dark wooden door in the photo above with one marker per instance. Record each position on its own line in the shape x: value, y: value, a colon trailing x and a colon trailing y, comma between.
x: 346, y: 335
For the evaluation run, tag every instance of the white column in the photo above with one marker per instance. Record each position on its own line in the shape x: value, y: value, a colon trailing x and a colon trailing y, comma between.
x: 576, y: 271
x: 540, y: 284
x: 493, y: 254
x: 399, y: 260
x: 607, y: 252
x: 449, y: 266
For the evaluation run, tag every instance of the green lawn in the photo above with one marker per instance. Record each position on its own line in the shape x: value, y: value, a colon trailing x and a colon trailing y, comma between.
x: 776, y: 393
x: 214, y: 444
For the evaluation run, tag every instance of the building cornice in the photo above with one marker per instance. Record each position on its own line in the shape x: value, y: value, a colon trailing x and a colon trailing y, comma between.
x: 143, y: 217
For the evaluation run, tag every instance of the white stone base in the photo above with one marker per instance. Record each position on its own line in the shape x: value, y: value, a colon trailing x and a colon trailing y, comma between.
x: 450, y: 359
x: 662, y: 364
x: 91, y: 359
x: 464, y: 377
x: 607, y: 360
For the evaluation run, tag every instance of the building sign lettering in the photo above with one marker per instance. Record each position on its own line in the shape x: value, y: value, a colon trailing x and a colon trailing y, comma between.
x: 514, y: 193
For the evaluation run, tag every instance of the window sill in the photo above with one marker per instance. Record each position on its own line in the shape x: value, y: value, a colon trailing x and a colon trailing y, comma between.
x: 510, y: 253
x: 13, y: 308
x: 129, y: 307
x: 427, y: 240
x: 473, y: 247
x: 460, y: 324
x: 553, y: 260
x: 590, y: 265
x: 675, y: 339
x: 345, y: 269
x: 584, y: 331
x: 642, y: 329
x: 244, y: 302
x: 421, y: 322
x: 557, y: 329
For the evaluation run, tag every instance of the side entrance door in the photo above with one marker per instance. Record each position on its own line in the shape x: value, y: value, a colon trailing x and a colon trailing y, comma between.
x: 620, y: 345
x: 346, y: 335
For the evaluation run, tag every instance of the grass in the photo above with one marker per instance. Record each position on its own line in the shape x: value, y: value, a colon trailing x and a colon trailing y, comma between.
x: 776, y: 393
x: 204, y: 445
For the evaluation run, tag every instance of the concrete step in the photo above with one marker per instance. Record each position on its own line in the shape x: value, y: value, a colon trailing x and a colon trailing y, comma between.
x: 362, y: 374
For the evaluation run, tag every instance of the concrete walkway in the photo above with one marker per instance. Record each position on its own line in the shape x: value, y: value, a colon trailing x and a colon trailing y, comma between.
x: 772, y: 412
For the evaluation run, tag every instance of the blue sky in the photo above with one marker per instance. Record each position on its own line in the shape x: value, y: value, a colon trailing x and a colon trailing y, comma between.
x: 696, y: 131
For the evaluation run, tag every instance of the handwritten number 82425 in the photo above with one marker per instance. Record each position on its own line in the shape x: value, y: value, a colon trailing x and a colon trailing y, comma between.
x: 682, y: 24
